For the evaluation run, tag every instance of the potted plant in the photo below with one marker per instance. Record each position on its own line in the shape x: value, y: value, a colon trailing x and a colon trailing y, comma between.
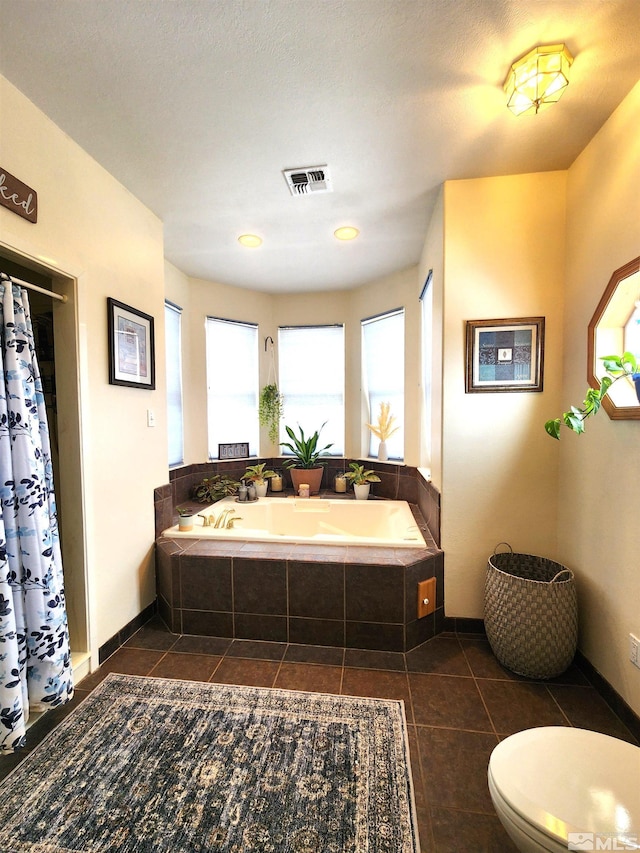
x: 213, y: 489
x: 270, y: 410
x: 617, y: 367
x: 361, y: 480
x: 384, y: 429
x: 307, y: 465
x: 185, y: 518
x: 258, y: 476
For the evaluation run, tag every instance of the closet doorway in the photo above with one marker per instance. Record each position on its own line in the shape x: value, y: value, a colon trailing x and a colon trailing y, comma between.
x: 56, y: 336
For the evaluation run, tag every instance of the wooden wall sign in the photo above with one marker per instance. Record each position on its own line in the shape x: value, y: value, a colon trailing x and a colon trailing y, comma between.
x: 18, y: 197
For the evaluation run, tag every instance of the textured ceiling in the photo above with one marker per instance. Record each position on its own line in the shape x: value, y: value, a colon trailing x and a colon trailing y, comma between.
x: 196, y: 106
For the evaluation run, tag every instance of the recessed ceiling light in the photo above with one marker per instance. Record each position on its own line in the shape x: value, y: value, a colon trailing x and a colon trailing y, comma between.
x: 347, y: 232
x: 251, y: 241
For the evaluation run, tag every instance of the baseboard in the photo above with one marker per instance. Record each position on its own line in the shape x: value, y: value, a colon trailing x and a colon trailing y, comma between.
x: 462, y: 625
x: 609, y: 694
x: 112, y: 645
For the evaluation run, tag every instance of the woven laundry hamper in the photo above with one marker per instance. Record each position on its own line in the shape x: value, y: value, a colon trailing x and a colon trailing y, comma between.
x: 530, y: 613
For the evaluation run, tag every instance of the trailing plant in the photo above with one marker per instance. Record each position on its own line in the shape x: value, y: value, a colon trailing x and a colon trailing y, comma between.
x: 271, y: 410
x: 306, y: 453
x: 359, y: 476
x: 213, y: 489
x: 617, y: 367
x: 384, y: 427
x: 257, y: 474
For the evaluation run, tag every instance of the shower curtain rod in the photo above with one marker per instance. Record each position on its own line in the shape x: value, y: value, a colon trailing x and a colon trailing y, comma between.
x: 60, y: 296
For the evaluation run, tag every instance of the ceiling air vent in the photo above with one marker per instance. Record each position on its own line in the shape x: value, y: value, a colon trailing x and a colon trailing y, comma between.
x: 312, y: 179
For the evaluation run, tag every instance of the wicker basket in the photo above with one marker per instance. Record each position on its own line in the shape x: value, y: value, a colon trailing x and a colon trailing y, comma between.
x: 530, y: 613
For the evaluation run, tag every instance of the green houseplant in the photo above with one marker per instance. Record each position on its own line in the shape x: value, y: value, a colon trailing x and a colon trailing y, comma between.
x: 213, y: 489
x: 271, y: 410
x: 361, y: 479
x: 257, y: 474
x: 307, y: 464
x: 617, y: 367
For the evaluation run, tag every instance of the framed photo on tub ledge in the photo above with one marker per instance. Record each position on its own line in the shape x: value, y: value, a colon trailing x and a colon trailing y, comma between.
x: 131, y: 346
x: 505, y: 355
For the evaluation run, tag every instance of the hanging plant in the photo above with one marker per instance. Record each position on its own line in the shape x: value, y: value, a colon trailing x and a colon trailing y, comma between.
x: 271, y: 410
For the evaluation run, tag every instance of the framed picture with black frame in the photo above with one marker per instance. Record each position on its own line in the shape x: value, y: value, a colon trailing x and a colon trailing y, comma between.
x: 504, y: 355
x: 131, y: 346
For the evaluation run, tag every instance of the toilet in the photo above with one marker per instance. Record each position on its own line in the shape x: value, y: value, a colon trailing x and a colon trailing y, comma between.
x: 557, y: 789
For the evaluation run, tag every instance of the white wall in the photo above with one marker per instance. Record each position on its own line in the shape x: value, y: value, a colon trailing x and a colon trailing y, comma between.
x: 600, y: 470
x: 503, y: 258
x: 92, y: 229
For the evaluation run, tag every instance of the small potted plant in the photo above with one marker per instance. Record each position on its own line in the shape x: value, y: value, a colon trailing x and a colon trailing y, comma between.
x: 361, y: 480
x: 307, y: 464
x: 185, y: 518
x: 213, y: 489
x: 259, y: 477
x: 617, y: 367
x: 384, y: 429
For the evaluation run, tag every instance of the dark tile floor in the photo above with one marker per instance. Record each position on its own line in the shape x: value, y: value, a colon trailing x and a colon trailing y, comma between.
x: 459, y: 703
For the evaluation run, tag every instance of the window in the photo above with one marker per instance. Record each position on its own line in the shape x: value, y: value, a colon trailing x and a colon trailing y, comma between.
x: 173, y: 351
x: 383, y: 374
x: 426, y: 306
x: 311, y: 379
x: 232, y: 384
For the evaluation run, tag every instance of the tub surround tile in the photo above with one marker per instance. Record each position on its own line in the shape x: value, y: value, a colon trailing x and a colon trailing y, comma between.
x: 207, y: 623
x: 331, y: 655
x: 374, y: 635
x: 258, y: 626
x: 256, y: 649
x: 316, y: 632
x: 374, y: 593
x: 205, y: 583
x: 199, y: 645
x: 260, y: 587
x: 316, y: 590
x: 373, y: 659
x: 420, y: 630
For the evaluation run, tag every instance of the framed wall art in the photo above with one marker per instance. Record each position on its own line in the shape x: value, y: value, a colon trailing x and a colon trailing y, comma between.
x: 131, y: 346
x: 505, y: 355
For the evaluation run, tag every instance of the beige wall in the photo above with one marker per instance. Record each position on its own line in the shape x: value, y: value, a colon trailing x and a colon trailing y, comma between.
x: 201, y: 298
x: 93, y: 230
x: 600, y: 470
x: 431, y: 423
x: 503, y: 258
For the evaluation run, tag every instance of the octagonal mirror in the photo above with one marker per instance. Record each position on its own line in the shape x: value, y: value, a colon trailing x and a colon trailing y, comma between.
x: 613, y: 330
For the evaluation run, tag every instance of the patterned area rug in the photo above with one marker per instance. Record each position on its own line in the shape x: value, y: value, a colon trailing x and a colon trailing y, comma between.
x: 146, y: 764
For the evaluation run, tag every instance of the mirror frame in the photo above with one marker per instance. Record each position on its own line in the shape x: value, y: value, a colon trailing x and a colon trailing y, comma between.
x: 614, y: 412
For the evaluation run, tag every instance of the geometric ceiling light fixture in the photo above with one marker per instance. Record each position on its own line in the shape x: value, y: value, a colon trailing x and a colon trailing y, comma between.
x: 538, y: 79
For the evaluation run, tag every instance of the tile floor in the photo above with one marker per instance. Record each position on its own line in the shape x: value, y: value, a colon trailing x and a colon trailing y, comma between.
x: 459, y: 703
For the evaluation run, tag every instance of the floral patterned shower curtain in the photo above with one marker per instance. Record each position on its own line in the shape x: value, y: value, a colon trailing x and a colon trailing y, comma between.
x: 35, y: 660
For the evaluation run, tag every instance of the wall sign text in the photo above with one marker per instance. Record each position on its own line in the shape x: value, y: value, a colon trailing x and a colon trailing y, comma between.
x: 18, y: 197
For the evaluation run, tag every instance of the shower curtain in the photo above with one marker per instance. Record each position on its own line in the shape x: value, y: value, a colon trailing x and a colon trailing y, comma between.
x: 35, y: 660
